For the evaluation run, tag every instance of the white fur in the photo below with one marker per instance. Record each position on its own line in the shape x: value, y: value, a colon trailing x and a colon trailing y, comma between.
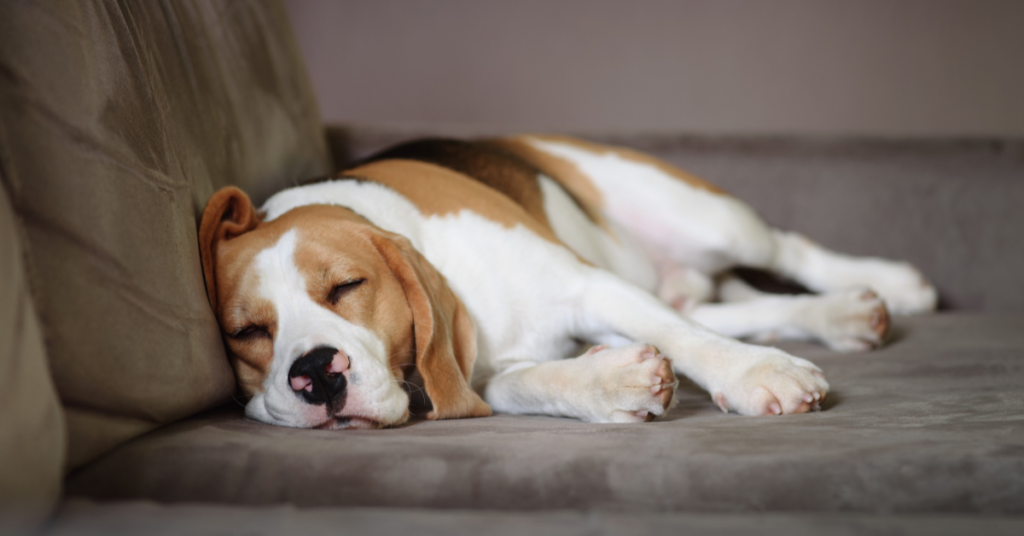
x: 616, y: 251
x: 904, y: 288
x: 607, y: 385
x: 844, y: 320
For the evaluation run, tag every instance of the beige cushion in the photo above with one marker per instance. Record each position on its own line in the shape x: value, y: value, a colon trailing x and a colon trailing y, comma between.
x: 117, y: 122
x: 31, y: 422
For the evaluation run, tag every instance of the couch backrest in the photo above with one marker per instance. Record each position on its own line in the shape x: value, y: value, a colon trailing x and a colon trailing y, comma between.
x: 31, y: 421
x: 117, y: 123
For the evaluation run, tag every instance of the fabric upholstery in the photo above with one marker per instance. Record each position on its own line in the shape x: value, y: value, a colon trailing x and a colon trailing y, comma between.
x: 31, y: 420
x: 930, y: 423
x: 950, y: 207
x: 117, y: 122
x: 81, y: 518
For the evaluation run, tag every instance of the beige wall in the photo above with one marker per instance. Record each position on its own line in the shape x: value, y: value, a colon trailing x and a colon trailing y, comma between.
x: 886, y: 67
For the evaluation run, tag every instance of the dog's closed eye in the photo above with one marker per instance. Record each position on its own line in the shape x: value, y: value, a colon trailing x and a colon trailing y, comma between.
x: 251, y: 333
x: 341, y: 290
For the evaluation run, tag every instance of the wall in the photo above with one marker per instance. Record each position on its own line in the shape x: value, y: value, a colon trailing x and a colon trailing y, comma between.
x: 890, y: 68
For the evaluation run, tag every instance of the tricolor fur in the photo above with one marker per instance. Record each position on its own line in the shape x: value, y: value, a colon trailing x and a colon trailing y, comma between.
x: 487, y: 267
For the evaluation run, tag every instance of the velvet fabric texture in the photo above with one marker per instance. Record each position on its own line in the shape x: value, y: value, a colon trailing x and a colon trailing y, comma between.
x: 117, y: 122
x: 80, y: 518
x: 31, y: 421
x: 931, y: 423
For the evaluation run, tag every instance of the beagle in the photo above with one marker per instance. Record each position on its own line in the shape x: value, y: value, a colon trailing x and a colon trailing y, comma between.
x: 481, y: 267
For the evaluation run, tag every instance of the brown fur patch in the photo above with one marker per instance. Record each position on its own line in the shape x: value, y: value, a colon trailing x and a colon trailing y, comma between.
x: 445, y: 337
x: 228, y: 213
x: 576, y: 183
x: 484, y: 162
x: 226, y: 247
x: 437, y: 190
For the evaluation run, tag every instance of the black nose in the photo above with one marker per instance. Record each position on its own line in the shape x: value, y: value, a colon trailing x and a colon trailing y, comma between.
x: 324, y: 387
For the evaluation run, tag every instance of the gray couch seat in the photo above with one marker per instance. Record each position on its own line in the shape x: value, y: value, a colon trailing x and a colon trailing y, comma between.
x: 934, y: 422
x: 86, y: 518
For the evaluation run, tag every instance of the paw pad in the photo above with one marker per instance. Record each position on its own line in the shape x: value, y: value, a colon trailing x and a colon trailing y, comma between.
x: 880, y: 321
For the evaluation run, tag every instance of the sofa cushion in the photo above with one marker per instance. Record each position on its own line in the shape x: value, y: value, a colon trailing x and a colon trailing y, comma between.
x: 79, y: 518
x: 31, y: 420
x: 930, y: 423
x: 117, y: 122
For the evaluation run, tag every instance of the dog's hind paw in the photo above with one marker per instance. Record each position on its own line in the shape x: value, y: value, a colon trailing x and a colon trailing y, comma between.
x: 855, y: 320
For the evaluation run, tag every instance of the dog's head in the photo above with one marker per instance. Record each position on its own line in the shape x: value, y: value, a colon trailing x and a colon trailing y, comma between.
x: 324, y: 315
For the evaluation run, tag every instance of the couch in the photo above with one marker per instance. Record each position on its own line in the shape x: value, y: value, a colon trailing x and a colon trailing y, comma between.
x: 117, y: 405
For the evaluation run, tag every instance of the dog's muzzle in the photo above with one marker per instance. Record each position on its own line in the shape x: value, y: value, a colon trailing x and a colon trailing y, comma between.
x: 318, y: 377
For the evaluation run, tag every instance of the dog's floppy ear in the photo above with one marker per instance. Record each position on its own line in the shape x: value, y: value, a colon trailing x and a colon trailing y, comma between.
x: 444, y: 333
x: 228, y: 213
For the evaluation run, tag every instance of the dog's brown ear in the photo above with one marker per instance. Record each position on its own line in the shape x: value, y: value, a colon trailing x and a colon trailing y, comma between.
x: 444, y: 333
x: 228, y: 213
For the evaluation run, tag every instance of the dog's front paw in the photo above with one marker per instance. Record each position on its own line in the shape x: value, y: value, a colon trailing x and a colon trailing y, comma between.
x: 633, y: 383
x: 773, y: 384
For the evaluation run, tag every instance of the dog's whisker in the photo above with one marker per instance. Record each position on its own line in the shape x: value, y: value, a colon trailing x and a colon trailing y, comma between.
x: 417, y: 388
x: 239, y: 400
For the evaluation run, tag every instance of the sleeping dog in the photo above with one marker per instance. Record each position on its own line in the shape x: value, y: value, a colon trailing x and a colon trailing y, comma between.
x: 485, y: 269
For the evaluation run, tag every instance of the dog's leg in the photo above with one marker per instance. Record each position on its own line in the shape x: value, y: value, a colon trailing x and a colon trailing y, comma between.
x: 852, y: 320
x: 904, y: 289
x: 752, y: 380
x: 749, y: 242
x: 680, y: 218
x: 732, y: 289
x: 682, y: 287
x: 627, y: 384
